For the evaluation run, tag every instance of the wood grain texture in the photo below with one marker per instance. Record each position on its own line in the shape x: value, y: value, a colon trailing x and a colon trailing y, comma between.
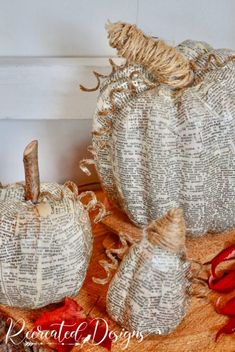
x: 195, y: 333
x: 31, y: 169
x: 43, y: 88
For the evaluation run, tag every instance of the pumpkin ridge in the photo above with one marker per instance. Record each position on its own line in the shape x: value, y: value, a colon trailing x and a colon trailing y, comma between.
x: 188, y: 160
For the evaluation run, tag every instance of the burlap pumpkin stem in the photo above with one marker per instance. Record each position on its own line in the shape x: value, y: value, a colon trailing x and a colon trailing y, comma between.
x: 168, y: 232
x: 166, y: 64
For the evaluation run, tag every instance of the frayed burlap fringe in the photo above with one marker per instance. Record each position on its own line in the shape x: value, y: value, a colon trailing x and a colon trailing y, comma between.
x: 98, y: 76
x: 83, y: 165
x: 113, y: 109
x: 94, y: 204
x: 91, y: 205
x: 211, y: 58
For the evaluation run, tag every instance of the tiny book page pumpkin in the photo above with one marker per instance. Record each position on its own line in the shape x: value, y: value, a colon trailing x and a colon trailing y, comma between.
x: 148, y: 293
x: 46, y: 240
x: 164, y: 130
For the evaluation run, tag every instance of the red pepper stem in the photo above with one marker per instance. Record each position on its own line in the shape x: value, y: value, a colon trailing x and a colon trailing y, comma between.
x: 224, y: 255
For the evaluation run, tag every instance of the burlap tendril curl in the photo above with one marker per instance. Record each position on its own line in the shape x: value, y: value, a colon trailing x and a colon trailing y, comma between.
x: 164, y: 62
x: 92, y: 202
x: 113, y: 264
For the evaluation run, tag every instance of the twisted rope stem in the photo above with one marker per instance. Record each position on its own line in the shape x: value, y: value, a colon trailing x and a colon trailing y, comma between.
x: 164, y: 62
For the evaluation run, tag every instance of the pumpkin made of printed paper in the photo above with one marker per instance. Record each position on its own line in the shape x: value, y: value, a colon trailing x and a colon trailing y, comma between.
x: 45, y: 245
x: 149, y: 292
x: 164, y: 138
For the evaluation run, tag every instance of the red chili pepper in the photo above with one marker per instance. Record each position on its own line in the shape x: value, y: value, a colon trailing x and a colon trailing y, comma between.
x: 226, y: 254
x: 224, y: 284
x: 227, y: 309
x: 229, y: 328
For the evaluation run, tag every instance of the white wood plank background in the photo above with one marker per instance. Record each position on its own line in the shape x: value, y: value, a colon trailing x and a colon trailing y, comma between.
x: 48, y: 88
x: 43, y: 87
x: 40, y: 97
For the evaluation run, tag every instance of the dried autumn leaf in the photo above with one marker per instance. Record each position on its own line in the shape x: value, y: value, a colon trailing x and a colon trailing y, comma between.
x: 70, y: 318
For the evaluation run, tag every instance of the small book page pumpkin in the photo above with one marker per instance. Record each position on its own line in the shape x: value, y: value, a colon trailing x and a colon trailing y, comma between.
x: 148, y: 293
x: 164, y: 131
x: 46, y: 241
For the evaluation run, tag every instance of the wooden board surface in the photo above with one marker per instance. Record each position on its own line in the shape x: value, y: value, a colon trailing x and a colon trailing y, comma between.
x: 195, y: 333
x: 46, y: 88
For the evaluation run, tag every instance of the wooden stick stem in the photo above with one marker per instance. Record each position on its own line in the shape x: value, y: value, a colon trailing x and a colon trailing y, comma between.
x: 32, y: 179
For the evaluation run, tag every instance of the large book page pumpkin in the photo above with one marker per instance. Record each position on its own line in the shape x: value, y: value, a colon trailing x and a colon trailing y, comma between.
x: 164, y: 131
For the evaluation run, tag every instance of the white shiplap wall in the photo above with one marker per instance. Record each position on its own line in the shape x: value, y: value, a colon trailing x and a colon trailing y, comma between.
x: 48, y: 88
x: 48, y: 47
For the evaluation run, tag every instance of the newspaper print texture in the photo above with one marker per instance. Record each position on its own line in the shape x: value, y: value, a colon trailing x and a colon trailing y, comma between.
x: 171, y: 148
x: 42, y: 258
x: 148, y: 293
